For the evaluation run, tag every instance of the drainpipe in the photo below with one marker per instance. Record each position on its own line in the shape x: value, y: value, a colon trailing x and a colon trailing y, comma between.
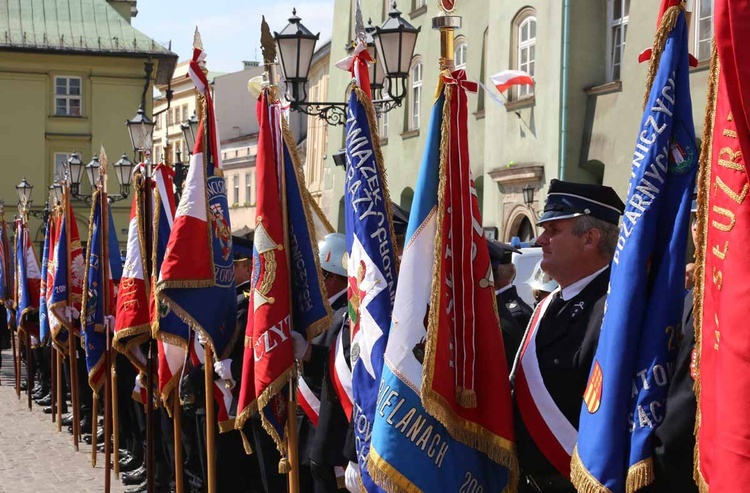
x: 562, y: 158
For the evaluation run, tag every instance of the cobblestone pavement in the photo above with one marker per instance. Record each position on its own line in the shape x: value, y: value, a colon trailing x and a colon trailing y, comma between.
x: 34, y: 457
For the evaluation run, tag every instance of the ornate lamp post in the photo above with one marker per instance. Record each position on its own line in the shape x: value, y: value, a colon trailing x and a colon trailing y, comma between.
x: 190, y: 131
x: 141, y: 130
x: 390, y: 45
x: 528, y: 195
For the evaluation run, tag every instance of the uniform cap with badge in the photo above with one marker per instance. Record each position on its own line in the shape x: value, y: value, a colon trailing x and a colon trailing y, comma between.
x: 567, y: 199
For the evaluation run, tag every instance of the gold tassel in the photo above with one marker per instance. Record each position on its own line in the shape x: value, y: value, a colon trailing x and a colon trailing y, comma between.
x: 668, y: 22
x: 246, y: 443
x: 640, y: 475
x: 284, y: 466
x: 582, y: 479
x: 467, y: 399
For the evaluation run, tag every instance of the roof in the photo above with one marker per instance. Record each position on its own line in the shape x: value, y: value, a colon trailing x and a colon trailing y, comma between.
x: 75, y: 26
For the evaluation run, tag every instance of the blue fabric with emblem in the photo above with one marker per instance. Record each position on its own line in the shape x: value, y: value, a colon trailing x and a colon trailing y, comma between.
x: 641, y: 324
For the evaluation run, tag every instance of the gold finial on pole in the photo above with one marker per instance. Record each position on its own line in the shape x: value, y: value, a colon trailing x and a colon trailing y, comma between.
x: 268, y: 47
x: 197, y: 42
x: 446, y: 24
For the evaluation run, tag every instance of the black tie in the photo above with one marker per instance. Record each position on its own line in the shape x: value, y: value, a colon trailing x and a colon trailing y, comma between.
x: 555, y: 305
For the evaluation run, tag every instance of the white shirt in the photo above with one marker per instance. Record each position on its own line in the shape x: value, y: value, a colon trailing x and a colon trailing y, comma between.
x: 336, y: 296
x: 570, y: 292
x: 503, y: 289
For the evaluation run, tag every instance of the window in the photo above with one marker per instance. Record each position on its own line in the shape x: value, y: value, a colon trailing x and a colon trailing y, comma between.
x: 419, y: 4
x: 157, y: 122
x: 618, y: 30
x: 526, y: 53
x: 68, y: 96
x: 415, y: 95
x: 459, y: 54
x: 158, y: 156
x: 61, y: 160
x: 250, y: 186
x: 704, y: 29
x: 383, y: 120
x: 236, y: 189
x: 185, y: 116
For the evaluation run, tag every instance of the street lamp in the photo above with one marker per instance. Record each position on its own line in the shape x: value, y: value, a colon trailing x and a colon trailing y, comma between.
x: 391, y: 46
x: 23, y: 190
x: 395, y: 41
x: 528, y: 195
x: 180, y: 173
x: 141, y: 129
x: 94, y: 171
x: 124, y: 171
x: 75, y: 172
x: 190, y: 131
x: 56, y: 193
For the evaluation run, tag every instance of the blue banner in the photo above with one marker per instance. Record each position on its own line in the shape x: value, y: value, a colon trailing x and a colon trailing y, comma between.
x: 372, y: 270
x: 311, y: 311
x: 411, y: 450
x: 94, y: 335
x: 5, y: 264
x: 44, y: 328
x: 625, y: 396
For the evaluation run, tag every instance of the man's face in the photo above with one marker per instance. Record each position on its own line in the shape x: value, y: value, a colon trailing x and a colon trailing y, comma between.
x: 561, y: 249
x: 242, y: 271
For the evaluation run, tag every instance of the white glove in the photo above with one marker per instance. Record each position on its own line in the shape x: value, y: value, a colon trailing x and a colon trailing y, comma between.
x: 351, y: 477
x: 202, y: 339
x: 75, y: 313
x: 300, y: 345
x: 109, y: 321
x: 223, y: 368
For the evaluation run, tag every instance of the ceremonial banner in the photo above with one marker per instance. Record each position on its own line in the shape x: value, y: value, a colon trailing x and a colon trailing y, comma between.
x: 6, y: 288
x: 171, y: 332
x: 28, y: 282
x: 132, y: 318
x: 269, y: 354
x: 196, y: 279
x: 94, y: 323
x: 44, y: 327
x: 372, y: 269
x: 67, y: 288
x: 722, y: 290
x: 627, y: 388
x: 444, y: 418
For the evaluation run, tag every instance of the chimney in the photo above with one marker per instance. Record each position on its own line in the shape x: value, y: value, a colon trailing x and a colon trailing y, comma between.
x: 126, y: 8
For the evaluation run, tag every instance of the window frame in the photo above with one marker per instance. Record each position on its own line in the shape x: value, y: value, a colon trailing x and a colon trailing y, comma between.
x: 235, y: 188
x: 415, y: 94
x: 67, y: 97
x: 614, y: 24
x: 460, y: 45
x: 697, y: 28
x: 526, y: 92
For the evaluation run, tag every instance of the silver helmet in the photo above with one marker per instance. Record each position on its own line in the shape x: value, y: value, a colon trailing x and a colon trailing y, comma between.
x: 540, y: 280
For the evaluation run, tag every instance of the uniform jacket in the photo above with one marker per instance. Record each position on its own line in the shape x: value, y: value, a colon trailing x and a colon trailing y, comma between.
x: 514, y: 318
x: 566, y: 345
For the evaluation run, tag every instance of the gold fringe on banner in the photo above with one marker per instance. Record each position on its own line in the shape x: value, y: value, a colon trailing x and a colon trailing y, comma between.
x: 668, y: 22
x: 640, y: 475
x: 704, y: 186
x: 284, y: 466
x: 246, y: 443
x: 388, y: 477
x: 582, y: 479
x: 471, y: 434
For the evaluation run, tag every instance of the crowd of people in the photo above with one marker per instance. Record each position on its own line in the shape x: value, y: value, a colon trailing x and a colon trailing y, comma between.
x: 555, y: 340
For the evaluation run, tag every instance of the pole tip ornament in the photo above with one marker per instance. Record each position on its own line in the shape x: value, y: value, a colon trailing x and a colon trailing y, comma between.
x: 197, y: 42
x: 267, y: 43
x: 103, y: 159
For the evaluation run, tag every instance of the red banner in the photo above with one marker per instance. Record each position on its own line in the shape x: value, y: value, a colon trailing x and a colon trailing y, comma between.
x: 465, y: 384
x: 723, y: 462
x: 269, y: 354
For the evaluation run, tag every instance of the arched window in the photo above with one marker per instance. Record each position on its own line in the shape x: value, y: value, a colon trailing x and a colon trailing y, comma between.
x: 460, y: 52
x: 527, y: 52
x: 703, y: 16
x: 415, y: 93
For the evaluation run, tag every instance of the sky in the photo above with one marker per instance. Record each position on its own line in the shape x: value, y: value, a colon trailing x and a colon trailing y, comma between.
x: 230, y: 29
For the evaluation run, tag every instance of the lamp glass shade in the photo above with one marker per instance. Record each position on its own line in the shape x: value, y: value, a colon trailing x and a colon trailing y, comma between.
x: 23, y: 190
x: 528, y: 195
x: 189, y: 131
x: 395, y: 41
x: 75, y: 168
x: 141, y: 129
x: 295, y: 45
x: 124, y: 170
x: 56, y: 190
x: 94, y: 171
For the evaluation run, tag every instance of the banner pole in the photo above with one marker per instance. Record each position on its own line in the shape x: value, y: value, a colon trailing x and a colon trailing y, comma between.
x: 72, y: 351
x: 94, y: 421
x: 177, y: 427
x: 115, y: 412
x: 210, y: 419
x: 16, y: 376
x: 59, y: 383
x: 53, y: 381
x: 150, y: 414
x: 29, y: 369
x: 106, y: 309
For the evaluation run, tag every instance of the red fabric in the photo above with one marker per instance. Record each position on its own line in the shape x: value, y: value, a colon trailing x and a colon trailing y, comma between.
x: 359, y: 68
x: 268, y: 343
x: 344, y: 398
x: 467, y: 333
x: 724, y: 443
x: 665, y: 4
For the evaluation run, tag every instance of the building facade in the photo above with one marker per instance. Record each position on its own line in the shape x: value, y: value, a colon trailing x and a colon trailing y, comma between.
x: 71, y: 78
x: 578, y: 122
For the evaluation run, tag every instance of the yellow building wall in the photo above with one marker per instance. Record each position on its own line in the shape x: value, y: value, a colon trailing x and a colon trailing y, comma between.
x: 30, y: 133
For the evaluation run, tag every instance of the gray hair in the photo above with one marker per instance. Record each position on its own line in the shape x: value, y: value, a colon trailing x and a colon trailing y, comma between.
x: 608, y: 233
x: 504, y: 274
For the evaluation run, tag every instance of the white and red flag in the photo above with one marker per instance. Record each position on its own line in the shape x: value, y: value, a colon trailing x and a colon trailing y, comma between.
x: 508, y: 78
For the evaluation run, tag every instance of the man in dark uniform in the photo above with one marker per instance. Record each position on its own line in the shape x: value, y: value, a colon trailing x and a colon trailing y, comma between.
x: 513, y: 311
x: 580, y: 223
x: 323, y: 450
